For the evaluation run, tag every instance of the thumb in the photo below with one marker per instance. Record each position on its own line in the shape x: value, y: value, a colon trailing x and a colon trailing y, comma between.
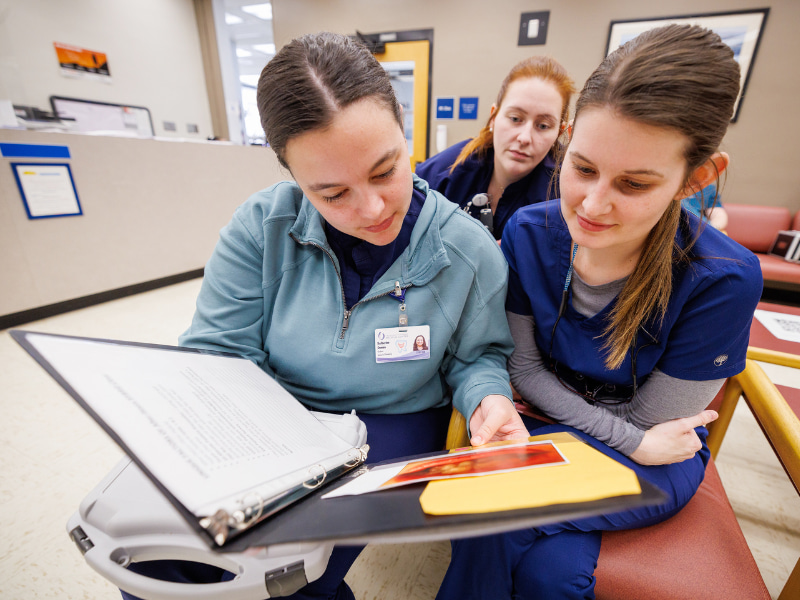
x: 487, y: 429
x: 702, y: 419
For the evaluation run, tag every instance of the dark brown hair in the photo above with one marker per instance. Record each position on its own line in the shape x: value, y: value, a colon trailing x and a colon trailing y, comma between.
x: 535, y: 67
x: 679, y: 77
x: 312, y: 78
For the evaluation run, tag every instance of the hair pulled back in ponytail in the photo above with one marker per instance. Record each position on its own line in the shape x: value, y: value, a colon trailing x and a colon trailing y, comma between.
x: 678, y: 77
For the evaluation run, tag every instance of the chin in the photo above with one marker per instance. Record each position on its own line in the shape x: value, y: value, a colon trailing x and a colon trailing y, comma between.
x: 383, y: 238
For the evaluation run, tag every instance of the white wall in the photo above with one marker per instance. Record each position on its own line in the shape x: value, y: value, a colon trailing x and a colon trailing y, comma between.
x: 152, y: 46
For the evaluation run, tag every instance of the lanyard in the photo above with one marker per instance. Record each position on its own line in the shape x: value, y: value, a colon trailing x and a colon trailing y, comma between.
x: 400, y: 295
x: 564, y: 293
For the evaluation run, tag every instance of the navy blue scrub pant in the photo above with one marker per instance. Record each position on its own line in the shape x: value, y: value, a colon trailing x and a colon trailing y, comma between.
x: 389, y: 437
x: 557, y: 561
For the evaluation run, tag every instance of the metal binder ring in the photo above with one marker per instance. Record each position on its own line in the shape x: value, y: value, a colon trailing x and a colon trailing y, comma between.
x: 250, y: 512
x: 360, y: 456
x: 317, y: 478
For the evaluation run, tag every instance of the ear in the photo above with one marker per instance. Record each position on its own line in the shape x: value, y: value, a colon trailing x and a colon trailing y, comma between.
x: 706, y: 173
x: 492, y: 115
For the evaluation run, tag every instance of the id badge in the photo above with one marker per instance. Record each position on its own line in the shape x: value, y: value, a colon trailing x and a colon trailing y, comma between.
x: 394, y: 344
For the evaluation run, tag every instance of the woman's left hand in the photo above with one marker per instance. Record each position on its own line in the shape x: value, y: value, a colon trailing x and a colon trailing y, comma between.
x: 672, y: 441
x: 496, y: 419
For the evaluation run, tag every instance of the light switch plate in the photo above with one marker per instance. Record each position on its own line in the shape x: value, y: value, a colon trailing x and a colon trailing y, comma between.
x: 533, y: 28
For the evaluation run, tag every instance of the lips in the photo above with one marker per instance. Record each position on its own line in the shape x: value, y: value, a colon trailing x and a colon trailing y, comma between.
x: 518, y: 155
x: 592, y: 226
x: 382, y: 226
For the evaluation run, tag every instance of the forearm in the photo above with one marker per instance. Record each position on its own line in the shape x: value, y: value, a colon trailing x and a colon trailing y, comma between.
x: 663, y: 398
x: 717, y: 217
x: 475, y: 364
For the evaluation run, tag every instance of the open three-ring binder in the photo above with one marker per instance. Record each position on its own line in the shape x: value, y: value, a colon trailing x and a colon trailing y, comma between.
x: 221, y: 439
x: 226, y: 469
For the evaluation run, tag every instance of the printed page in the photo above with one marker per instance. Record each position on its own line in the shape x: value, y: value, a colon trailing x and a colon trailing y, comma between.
x: 210, y: 428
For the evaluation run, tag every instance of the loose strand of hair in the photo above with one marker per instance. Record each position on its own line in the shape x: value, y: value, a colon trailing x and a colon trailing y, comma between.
x: 479, y: 145
x: 646, y: 294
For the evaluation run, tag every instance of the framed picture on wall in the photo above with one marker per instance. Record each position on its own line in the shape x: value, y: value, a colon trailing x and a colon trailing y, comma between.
x: 741, y: 30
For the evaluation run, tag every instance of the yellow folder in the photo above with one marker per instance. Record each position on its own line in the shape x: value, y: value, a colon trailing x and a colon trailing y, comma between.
x: 590, y: 475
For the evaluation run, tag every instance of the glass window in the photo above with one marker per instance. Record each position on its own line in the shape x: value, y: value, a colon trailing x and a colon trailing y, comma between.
x: 246, y: 43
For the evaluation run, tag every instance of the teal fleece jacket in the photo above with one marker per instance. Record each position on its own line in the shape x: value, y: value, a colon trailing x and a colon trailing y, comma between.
x: 272, y: 293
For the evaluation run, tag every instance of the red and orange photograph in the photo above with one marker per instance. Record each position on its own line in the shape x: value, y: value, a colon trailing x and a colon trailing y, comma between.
x: 484, y: 461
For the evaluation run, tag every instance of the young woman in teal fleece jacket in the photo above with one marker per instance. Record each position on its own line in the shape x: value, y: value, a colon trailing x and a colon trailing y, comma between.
x: 310, y: 274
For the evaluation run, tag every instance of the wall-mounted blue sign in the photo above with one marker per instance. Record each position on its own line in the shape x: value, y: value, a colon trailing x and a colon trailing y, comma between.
x: 468, y: 108
x: 445, y: 108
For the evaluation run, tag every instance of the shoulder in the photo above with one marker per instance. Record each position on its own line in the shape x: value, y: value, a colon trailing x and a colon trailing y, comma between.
x: 529, y: 220
x: 437, y: 167
x: 722, y: 271
x: 467, y: 241
x: 283, y: 198
x: 715, y: 253
x: 279, y: 204
x: 445, y: 158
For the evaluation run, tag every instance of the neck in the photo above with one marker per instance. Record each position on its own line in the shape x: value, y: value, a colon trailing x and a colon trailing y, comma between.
x: 497, y: 185
x: 500, y: 179
x: 604, y: 265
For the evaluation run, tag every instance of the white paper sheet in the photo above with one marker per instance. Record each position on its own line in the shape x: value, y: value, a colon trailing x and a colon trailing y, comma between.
x: 210, y: 428
x: 783, y: 326
x: 367, y: 482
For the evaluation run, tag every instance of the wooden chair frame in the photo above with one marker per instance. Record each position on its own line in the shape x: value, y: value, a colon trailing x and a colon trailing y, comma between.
x: 778, y: 422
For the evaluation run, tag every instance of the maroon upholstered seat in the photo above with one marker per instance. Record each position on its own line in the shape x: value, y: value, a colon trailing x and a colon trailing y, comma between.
x: 755, y: 228
x: 699, y: 553
x: 775, y: 268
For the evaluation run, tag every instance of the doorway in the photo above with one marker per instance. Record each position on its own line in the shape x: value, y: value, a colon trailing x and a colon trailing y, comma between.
x: 406, y: 56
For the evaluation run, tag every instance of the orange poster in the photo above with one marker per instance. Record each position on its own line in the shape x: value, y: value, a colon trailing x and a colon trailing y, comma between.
x: 74, y: 60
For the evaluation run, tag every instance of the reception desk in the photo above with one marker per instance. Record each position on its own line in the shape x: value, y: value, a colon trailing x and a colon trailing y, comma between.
x: 152, y: 211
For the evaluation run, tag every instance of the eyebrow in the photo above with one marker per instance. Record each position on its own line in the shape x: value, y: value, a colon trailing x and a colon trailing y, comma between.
x: 316, y: 187
x: 651, y: 172
x: 538, y: 116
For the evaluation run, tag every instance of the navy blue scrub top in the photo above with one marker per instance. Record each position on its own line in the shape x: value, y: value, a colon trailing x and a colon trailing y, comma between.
x: 473, y: 175
x: 705, y: 331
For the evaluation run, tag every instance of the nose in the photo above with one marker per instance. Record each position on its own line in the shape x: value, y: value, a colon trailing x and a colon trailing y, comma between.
x: 597, y: 200
x: 372, y: 205
x: 525, y: 134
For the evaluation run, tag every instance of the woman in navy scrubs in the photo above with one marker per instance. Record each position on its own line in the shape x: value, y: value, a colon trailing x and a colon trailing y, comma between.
x: 627, y: 312
x: 511, y: 161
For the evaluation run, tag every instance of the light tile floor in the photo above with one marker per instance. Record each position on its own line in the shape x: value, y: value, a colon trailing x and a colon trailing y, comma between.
x: 52, y: 454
